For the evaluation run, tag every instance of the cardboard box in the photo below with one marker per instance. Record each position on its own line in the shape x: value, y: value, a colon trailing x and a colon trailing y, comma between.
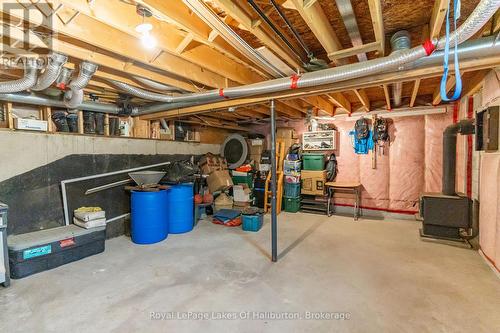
x: 210, y: 163
x: 30, y: 124
x: 242, y: 193
x: 313, y: 182
x: 286, y: 133
x: 255, y: 147
x: 219, y: 180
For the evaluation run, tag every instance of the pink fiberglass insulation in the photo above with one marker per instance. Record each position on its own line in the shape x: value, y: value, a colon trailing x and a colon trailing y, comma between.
x: 406, y: 163
x: 489, y: 228
x: 375, y: 181
x: 434, y: 127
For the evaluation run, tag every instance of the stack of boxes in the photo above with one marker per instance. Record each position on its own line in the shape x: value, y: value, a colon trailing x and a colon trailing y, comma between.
x: 215, y: 167
x: 291, y: 195
x: 313, y: 182
x: 255, y: 150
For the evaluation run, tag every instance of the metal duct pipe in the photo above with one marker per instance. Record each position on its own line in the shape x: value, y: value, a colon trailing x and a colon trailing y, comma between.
x: 64, y: 78
x: 394, y: 61
x: 464, y: 127
x: 55, y: 62
x: 156, y: 85
x: 27, y: 98
x: 25, y: 83
x: 469, y: 50
x: 399, y: 41
x: 164, y: 123
x: 74, y: 97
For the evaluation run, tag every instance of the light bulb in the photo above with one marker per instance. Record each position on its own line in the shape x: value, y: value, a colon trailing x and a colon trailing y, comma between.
x: 148, y: 41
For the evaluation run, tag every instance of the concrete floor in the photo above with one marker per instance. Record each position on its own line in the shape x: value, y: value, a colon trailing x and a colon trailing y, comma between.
x: 378, y: 272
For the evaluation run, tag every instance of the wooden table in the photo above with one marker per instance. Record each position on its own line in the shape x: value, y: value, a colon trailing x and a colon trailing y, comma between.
x: 354, y: 188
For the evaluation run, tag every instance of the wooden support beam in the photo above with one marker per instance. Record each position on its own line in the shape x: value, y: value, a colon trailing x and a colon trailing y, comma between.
x: 184, y: 43
x: 437, y: 17
x: 340, y: 101
x: 106, y: 62
x: 318, y: 22
x: 387, y: 96
x: 308, y: 3
x: 320, y: 103
x: 363, y: 98
x: 106, y: 124
x: 436, y: 97
x: 9, y: 115
x: 80, y: 122
x: 474, y: 84
x: 414, y: 93
x: 378, y: 24
x: 235, y: 11
x: 95, y: 33
x: 346, y: 53
x: 47, y: 116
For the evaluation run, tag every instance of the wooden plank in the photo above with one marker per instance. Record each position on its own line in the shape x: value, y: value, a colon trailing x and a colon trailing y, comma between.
x: 80, y: 122
x: 234, y: 10
x: 437, y: 17
x: 339, y: 100
x: 318, y: 22
x: 387, y: 96
x: 95, y: 33
x: 308, y: 3
x: 47, y: 115
x: 378, y: 24
x: 346, y: 53
x: 414, y: 93
x: 363, y: 98
x: 106, y: 124
x: 474, y: 84
x: 9, y: 115
x: 184, y: 44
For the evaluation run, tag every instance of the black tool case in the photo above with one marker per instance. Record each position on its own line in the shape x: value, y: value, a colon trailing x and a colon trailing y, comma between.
x: 39, y: 251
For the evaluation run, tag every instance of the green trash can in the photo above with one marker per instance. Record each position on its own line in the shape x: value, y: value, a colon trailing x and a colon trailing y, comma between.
x: 313, y: 162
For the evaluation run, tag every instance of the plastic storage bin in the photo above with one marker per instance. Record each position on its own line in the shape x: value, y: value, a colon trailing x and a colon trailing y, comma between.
x: 292, y: 190
x: 252, y: 222
x: 292, y: 167
x: 238, y: 178
x: 292, y: 205
x: 314, y: 162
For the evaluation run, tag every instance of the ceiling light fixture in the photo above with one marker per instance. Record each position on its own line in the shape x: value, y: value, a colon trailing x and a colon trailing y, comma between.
x: 148, y: 41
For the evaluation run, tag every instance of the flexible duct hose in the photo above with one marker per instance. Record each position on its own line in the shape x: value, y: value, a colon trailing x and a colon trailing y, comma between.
x: 481, y: 14
x: 25, y: 83
x: 156, y: 85
x: 52, y: 71
x: 399, y: 41
x: 74, y: 97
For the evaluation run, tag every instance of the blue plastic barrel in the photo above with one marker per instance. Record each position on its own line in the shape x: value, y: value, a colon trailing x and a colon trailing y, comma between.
x: 149, y: 217
x: 180, y: 206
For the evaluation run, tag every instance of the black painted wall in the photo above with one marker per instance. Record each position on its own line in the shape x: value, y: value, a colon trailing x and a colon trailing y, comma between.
x: 34, y: 197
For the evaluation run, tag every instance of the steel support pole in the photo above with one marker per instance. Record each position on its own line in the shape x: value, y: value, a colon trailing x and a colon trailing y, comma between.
x: 274, y: 216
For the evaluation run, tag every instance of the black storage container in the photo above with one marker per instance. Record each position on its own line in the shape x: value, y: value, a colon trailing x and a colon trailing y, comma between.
x: 39, y: 251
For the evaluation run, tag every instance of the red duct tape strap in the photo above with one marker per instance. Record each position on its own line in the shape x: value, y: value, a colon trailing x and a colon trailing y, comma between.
x: 221, y: 93
x: 295, y: 79
x: 429, y: 47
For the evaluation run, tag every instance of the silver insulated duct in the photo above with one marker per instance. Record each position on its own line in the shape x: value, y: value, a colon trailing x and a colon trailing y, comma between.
x: 74, y: 96
x: 25, y: 83
x: 399, y: 41
x: 394, y: 62
x: 55, y: 62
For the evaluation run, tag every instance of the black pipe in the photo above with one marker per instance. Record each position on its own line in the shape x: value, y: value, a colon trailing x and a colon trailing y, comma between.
x: 292, y: 29
x: 274, y: 215
x: 464, y: 127
x: 272, y: 26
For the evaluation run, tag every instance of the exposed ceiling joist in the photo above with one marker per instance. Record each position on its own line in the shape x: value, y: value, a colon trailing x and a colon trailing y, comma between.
x: 474, y: 84
x: 340, y: 101
x: 95, y: 33
x: 346, y: 53
x: 316, y: 19
x: 437, y: 17
x: 378, y: 24
x: 122, y: 17
x: 363, y: 98
x: 414, y: 93
x: 243, y: 18
x: 387, y: 96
